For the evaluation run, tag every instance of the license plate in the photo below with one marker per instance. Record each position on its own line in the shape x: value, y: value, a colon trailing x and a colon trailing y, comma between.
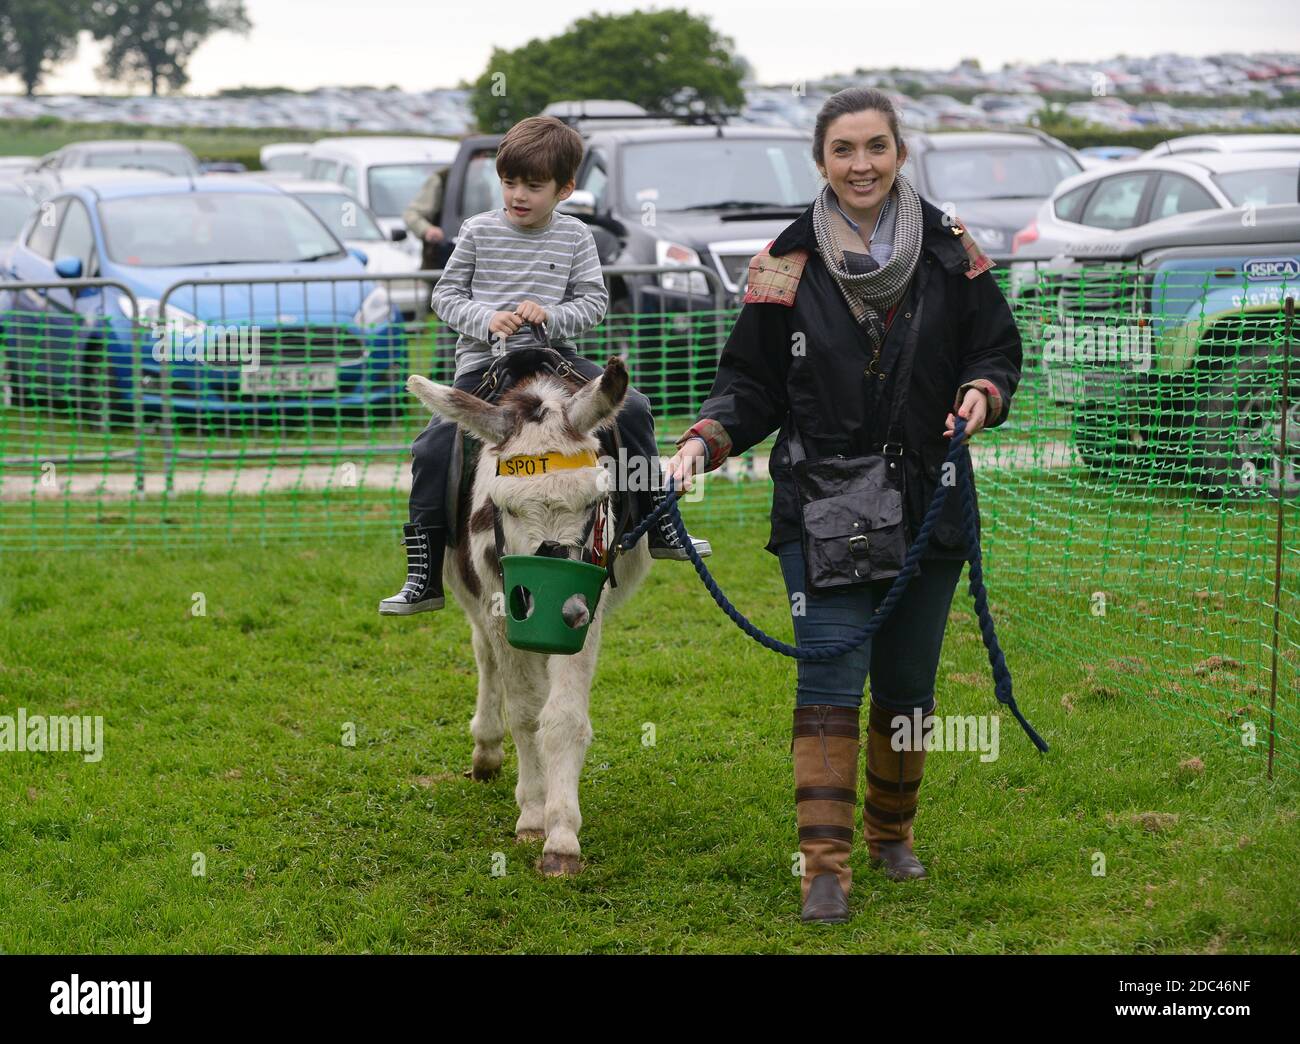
x: 1066, y: 386
x: 279, y: 380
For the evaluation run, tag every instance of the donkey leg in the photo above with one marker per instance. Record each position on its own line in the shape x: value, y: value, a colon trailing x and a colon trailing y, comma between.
x: 524, y: 709
x: 488, y: 724
x: 566, y: 735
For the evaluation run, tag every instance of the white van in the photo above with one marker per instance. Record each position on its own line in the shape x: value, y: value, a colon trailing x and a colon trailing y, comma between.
x: 385, y: 173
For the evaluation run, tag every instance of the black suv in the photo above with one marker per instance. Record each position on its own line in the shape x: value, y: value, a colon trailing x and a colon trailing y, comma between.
x: 994, y: 180
x: 696, y: 193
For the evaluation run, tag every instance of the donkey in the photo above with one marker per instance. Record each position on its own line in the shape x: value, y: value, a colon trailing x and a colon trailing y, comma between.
x: 544, y: 698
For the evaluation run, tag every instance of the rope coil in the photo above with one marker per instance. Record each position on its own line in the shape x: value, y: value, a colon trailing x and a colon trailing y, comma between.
x: 958, y: 455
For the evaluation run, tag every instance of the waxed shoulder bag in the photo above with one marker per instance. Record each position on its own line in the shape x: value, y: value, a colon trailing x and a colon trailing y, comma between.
x: 852, y: 507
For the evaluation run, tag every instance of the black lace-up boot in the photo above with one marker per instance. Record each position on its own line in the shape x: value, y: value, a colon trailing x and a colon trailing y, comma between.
x: 422, y: 591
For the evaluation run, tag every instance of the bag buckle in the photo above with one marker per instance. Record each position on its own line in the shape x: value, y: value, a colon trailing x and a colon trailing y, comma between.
x: 897, y: 450
x: 858, y: 544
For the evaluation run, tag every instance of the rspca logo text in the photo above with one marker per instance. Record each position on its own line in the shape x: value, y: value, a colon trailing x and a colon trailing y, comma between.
x: 75, y: 997
x: 1271, y: 268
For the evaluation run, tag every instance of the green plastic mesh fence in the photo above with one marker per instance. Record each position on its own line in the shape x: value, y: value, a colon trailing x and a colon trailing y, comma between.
x: 1131, y: 500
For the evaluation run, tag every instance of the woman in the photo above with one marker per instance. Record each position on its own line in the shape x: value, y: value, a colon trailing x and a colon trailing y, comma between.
x: 870, y: 274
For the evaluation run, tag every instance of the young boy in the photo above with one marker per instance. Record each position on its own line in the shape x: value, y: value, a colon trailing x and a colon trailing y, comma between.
x: 522, y: 263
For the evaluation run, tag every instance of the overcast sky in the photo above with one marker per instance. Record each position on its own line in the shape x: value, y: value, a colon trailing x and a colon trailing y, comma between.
x: 419, y: 44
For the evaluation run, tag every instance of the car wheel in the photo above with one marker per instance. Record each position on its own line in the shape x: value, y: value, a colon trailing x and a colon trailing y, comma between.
x: 1106, y: 444
x: 1237, y: 434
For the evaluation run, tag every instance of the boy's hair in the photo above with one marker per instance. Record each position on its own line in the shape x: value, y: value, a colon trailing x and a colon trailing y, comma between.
x: 540, y: 148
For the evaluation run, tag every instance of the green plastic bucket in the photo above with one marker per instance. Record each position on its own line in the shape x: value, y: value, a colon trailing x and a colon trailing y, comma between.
x: 547, y: 583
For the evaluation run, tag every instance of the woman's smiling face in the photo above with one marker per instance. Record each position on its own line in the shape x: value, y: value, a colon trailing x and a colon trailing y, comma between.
x: 860, y: 160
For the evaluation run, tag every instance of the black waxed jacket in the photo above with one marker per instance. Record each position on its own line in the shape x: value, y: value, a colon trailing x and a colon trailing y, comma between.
x: 960, y: 329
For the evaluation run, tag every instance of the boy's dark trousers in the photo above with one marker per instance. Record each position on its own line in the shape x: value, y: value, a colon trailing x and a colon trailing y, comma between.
x: 431, y: 451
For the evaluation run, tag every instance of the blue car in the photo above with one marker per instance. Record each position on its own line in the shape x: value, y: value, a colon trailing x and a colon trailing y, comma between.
x: 228, y: 295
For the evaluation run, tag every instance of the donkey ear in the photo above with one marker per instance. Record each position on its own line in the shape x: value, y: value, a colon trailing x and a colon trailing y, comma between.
x: 600, y: 399
x: 487, y: 421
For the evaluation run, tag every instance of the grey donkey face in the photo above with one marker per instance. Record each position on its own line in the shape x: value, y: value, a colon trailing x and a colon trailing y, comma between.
x: 541, y: 405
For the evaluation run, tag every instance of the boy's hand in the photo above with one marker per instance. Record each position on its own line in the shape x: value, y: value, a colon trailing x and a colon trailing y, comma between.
x: 531, y: 312
x: 505, y: 324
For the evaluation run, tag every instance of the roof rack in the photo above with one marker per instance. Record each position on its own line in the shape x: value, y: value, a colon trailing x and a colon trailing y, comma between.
x: 699, y: 119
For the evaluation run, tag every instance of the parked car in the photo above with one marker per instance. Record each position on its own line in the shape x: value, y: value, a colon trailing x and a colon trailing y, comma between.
x: 222, y: 167
x: 1111, y: 153
x: 1097, y: 204
x: 686, y: 194
x: 17, y: 202
x: 157, y: 157
x: 13, y: 164
x: 994, y: 181
x: 1167, y: 346
x: 385, y: 173
x: 1225, y: 143
x: 285, y: 157
x: 357, y: 228
x: 326, y: 344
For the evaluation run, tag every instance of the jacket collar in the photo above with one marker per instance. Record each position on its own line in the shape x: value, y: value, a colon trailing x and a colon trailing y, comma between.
x: 936, y: 236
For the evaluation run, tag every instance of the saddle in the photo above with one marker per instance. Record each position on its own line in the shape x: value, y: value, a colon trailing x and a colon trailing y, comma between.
x: 504, y: 372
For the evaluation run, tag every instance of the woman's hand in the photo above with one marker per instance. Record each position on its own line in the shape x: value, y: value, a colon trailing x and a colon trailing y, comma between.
x: 975, y: 408
x: 688, y: 462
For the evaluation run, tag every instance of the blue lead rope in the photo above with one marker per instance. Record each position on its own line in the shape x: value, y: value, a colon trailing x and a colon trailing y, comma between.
x: 959, y: 456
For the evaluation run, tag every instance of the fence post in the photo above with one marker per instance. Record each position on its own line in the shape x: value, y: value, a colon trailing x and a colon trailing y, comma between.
x: 1285, y: 450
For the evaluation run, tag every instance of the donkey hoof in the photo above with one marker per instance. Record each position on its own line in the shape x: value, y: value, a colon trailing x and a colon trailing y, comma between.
x: 559, y: 864
x: 484, y: 769
x: 530, y: 835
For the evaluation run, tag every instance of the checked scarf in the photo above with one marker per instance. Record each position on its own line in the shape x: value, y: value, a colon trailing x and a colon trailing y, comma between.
x: 870, y: 291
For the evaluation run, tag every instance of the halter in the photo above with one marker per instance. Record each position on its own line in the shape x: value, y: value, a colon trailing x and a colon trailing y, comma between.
x: 598, y: 554
x: 601, y: 553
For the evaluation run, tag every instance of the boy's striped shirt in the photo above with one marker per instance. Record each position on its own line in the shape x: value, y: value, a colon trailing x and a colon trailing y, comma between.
x: 496, y: 265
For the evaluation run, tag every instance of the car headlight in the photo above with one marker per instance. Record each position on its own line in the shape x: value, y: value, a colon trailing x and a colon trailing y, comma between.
x: 669, y: 253
x: 176, y: 324
x: 377, y: 308
x: 987, y: 237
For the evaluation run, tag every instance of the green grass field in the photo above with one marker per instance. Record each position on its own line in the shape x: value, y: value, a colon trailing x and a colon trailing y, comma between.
x: 224, y: 738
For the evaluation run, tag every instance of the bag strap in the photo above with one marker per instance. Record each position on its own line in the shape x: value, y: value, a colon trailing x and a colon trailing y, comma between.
x: 902, y: 362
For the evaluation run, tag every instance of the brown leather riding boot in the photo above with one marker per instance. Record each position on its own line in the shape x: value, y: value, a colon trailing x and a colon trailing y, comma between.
x: 825, y: 747
x: 893, y: 783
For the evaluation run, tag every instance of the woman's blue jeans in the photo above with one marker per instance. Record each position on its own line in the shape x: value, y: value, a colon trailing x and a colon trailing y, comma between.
x: 901, y: 658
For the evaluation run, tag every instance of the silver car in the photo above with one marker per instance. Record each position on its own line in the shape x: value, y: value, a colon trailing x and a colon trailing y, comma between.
x: 1120, y: 197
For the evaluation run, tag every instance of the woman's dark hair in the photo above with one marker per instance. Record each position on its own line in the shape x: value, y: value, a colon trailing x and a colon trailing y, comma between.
x: 850, y: 100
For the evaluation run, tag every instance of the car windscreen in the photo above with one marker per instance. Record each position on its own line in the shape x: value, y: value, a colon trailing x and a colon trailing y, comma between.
x: 996, y: 173
x: 394, y: 185
x: 166, y: 161
x: 1261, y: 187
x: 695, y: 174
x: 287, y: 163
x: 213, y: 228
x: 343, y: 215
x: 14, y: 209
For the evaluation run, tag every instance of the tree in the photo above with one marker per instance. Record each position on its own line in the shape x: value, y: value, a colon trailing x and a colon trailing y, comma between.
x: 658, y: 59
x: 152, y: 41
x: 37, y: 34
